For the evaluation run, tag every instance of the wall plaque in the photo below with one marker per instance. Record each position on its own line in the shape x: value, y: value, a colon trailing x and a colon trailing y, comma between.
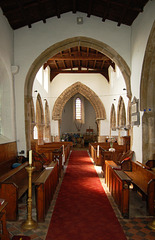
x: 135, y: 114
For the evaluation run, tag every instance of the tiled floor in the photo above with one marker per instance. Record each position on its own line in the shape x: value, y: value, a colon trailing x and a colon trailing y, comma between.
x: 135, y: 228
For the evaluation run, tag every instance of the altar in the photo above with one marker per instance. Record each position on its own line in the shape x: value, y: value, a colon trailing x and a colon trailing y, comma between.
x: 80, y: 139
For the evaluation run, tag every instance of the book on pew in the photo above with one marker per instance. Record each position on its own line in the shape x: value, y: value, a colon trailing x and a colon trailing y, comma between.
x: 1, y: 201
x: 117, y: 168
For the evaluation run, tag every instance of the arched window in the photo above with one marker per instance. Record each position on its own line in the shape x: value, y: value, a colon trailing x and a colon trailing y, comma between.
x: 35, y: 133
x: 78, y: 109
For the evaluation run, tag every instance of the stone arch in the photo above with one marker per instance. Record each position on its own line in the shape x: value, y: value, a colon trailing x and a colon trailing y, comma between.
x: 121, y: 114
x: 89, y: 94
x: 147, y: 99
x: 113, y: 118
x: 63, y: 45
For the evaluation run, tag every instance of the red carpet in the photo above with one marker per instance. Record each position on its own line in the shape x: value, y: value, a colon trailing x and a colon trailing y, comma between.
x: 82, y: 210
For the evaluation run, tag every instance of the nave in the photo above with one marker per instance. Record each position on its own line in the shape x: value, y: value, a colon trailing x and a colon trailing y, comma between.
x: 134, y: 228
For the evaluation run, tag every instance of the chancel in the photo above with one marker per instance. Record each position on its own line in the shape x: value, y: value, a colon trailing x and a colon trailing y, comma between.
x: 77, y: 120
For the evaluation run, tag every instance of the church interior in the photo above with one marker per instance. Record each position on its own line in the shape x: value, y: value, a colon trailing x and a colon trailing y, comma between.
x: 77, y: 120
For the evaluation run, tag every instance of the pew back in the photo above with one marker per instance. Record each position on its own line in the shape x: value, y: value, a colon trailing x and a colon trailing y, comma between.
x: 45, y: 187
x: 144, y: 180
x: 8, y: 155
x: 141, y: 176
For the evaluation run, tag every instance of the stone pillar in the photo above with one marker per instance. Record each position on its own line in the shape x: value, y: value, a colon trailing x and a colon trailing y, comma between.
x: 40, y: 128
x: 148, y: 136
x: 28, y: 122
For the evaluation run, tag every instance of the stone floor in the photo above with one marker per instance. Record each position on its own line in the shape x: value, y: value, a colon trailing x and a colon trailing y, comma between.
x: 135, y: 228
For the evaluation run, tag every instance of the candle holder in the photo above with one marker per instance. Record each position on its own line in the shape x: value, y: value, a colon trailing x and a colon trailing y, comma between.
x: 151, y: 225
x: 29, y: 223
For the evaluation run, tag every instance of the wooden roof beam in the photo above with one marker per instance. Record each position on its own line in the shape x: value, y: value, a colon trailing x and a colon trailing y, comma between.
x: 74, y: 6
x: 90, y: 8
x: 57, y: 9
x: 104, y: 72
x: 106, y: 11
x: 133, y: 8
x: 24, y: 13
x: 73, y: 58
x: 41, y: 10
x: 56, y: 64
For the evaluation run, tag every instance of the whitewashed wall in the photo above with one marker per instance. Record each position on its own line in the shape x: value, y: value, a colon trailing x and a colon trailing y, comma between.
x: 140, y: 32
x: 29, y: 43
x: 108, y: 92
x: 6, y: 81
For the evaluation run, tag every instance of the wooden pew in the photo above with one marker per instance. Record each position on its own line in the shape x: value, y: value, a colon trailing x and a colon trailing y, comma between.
x: 50, y: 148
x: 8, y: 156
x: 45, y: 187
x: 144, y: 181
x: 4, y: 234
x: 13, y: 185
x: 104, y: 152
x: 118, y: 184
x: 67, y: 147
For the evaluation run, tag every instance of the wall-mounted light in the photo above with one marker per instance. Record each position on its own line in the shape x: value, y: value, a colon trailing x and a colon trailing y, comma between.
x: 79, y: 20
x: 35, y: 91
x: 124, y: 89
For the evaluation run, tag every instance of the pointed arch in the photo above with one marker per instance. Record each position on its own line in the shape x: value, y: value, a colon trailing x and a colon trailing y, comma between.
x: 89, y: 94
x: 121, y: 114
x: 63, y: 45
x: 147, y: 99
x: 113, y: 118
x: 73, y: 42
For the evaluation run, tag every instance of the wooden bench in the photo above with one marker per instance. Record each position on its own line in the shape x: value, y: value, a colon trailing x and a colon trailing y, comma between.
x: 99, y: 155
x: 13, y: 185
x: 144, y: 182
x: 45, y: 187
x: 118, y: 184
x: 49, y: 149
x: 8, y: 156
x: 4, y: 235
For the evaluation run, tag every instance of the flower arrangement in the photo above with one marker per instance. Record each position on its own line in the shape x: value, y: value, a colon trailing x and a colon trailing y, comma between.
x: 111, y: 140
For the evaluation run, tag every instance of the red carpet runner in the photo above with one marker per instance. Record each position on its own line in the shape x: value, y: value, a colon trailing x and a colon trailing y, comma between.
x: 82, y: 210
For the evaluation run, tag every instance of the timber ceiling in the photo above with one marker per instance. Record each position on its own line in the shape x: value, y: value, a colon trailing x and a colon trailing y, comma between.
x: 22, y: 13
x: 79, y: 60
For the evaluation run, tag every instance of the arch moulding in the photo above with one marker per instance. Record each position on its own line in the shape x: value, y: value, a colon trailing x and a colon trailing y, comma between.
x: 147, y: 99
x: 61, y: 46
x: 89, y: 94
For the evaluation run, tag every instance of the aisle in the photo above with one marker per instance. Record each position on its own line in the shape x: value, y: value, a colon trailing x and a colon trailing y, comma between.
x: 82, y: 210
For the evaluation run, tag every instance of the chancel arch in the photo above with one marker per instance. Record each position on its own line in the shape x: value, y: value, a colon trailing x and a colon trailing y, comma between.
x: 147, y: 99
x: 89, y: 94
x: 63, y: 45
